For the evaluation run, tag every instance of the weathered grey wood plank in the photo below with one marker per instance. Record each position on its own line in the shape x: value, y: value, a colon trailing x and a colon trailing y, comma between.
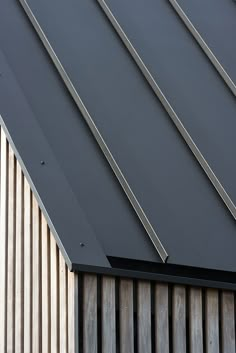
x: 179, y: 319
x: 126, y: 316
x: 162, y: 318
x: 90, y: 314
x: 63, y: 304
x: 195, y: 320
x: 144, y: 317
x: 3, y: 239
x: 19, y: 290
x: 212, y: 321
x: 46, y: 310
x: 54, y: 305
x: 27, y: 269
x: 36, y: 239
x: 228, y: 322
x: 73, y: 312
x: 11, y: 252
x: 108, y: 315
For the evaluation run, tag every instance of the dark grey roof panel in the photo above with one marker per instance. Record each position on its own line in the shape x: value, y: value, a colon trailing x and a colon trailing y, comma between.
x: 215, y: 22
x: 168, y: 182
x: 189, y: 81
x: 80, y: 169
x: 192, y: 221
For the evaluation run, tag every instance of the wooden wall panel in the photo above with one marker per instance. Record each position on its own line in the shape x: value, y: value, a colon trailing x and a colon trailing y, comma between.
x: 38, y: 295
x: 179, y: 319
x: 90, y: 314
x: 19, y: 296
x: 144, y: 317
x: 46, y: 309
x: 108, y: 315
x: 212, y: 321
x: 162, y: 318
x: 126, y: 311
x: 11, y: 251
x: 3, y: 239
x: 195, y: 320
x: 228, y: 322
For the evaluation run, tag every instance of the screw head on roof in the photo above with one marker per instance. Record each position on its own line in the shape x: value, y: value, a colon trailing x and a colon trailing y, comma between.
x: 82, y: 245
x: 42, y: 162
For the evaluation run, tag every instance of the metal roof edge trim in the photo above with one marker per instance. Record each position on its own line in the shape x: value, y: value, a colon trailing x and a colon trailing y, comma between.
x: 34, y: 190
x: 158, y: 276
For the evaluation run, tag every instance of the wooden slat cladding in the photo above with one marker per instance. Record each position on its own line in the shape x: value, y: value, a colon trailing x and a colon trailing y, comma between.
x: 38, y: 294
x: 45, y: 308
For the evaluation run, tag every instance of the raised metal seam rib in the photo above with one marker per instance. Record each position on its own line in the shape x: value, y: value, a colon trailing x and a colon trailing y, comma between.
x: 184, y: 133
x: 204, y: 46
x: 98, y: 137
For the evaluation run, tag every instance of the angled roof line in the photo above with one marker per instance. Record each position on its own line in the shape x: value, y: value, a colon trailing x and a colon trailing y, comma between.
x: 97, y: 135
x: 174, y: 117
x: 204, y: 46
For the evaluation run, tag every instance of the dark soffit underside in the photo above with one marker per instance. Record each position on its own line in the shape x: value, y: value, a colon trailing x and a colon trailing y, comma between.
x: 83, y: 201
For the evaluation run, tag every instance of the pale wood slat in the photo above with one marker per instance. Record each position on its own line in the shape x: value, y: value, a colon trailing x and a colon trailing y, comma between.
x: 3, y: 240
x: 162, y: 318
x: 73, y: 312
x: 54, y: 305
x: 228, y: 322
x: 108, y: 315
x: 27, y: 269
x: 126, y: 316
x: 11, y: 252
x: 36, y: 239
x: 144, y: 317
x: 46, y: 310
x: 90, y: 314
x: 179, y: 319
x: 19, y: 290
x: 63, y: 304
x: 195, y: 320
x: 212, y: 321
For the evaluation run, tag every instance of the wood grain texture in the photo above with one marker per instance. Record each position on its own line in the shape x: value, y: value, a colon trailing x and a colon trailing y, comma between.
x: 73, y: 312
x: 195, y: 320
x: 27, y: 268
x: 108, y: 315
x: 212, y: 321
x: 179, y: 319
x: 126, y: 316
x: 90, y: 314
x: 63, y: 304
x: 19, y: 289
x: 162, y: 318
x: 54, y: 305
x: 3, y: 239
x: 36, y: 239
x: 228, y: 322
x: 144, y: 317
x: 46, y: 310
x: 11, y: 252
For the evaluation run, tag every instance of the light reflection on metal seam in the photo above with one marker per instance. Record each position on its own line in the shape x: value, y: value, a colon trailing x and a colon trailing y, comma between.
x: 172, y: 114
x: 97, y: 135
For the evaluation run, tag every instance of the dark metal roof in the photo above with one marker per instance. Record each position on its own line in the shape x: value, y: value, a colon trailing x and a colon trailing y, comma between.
x: 184, y: 185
